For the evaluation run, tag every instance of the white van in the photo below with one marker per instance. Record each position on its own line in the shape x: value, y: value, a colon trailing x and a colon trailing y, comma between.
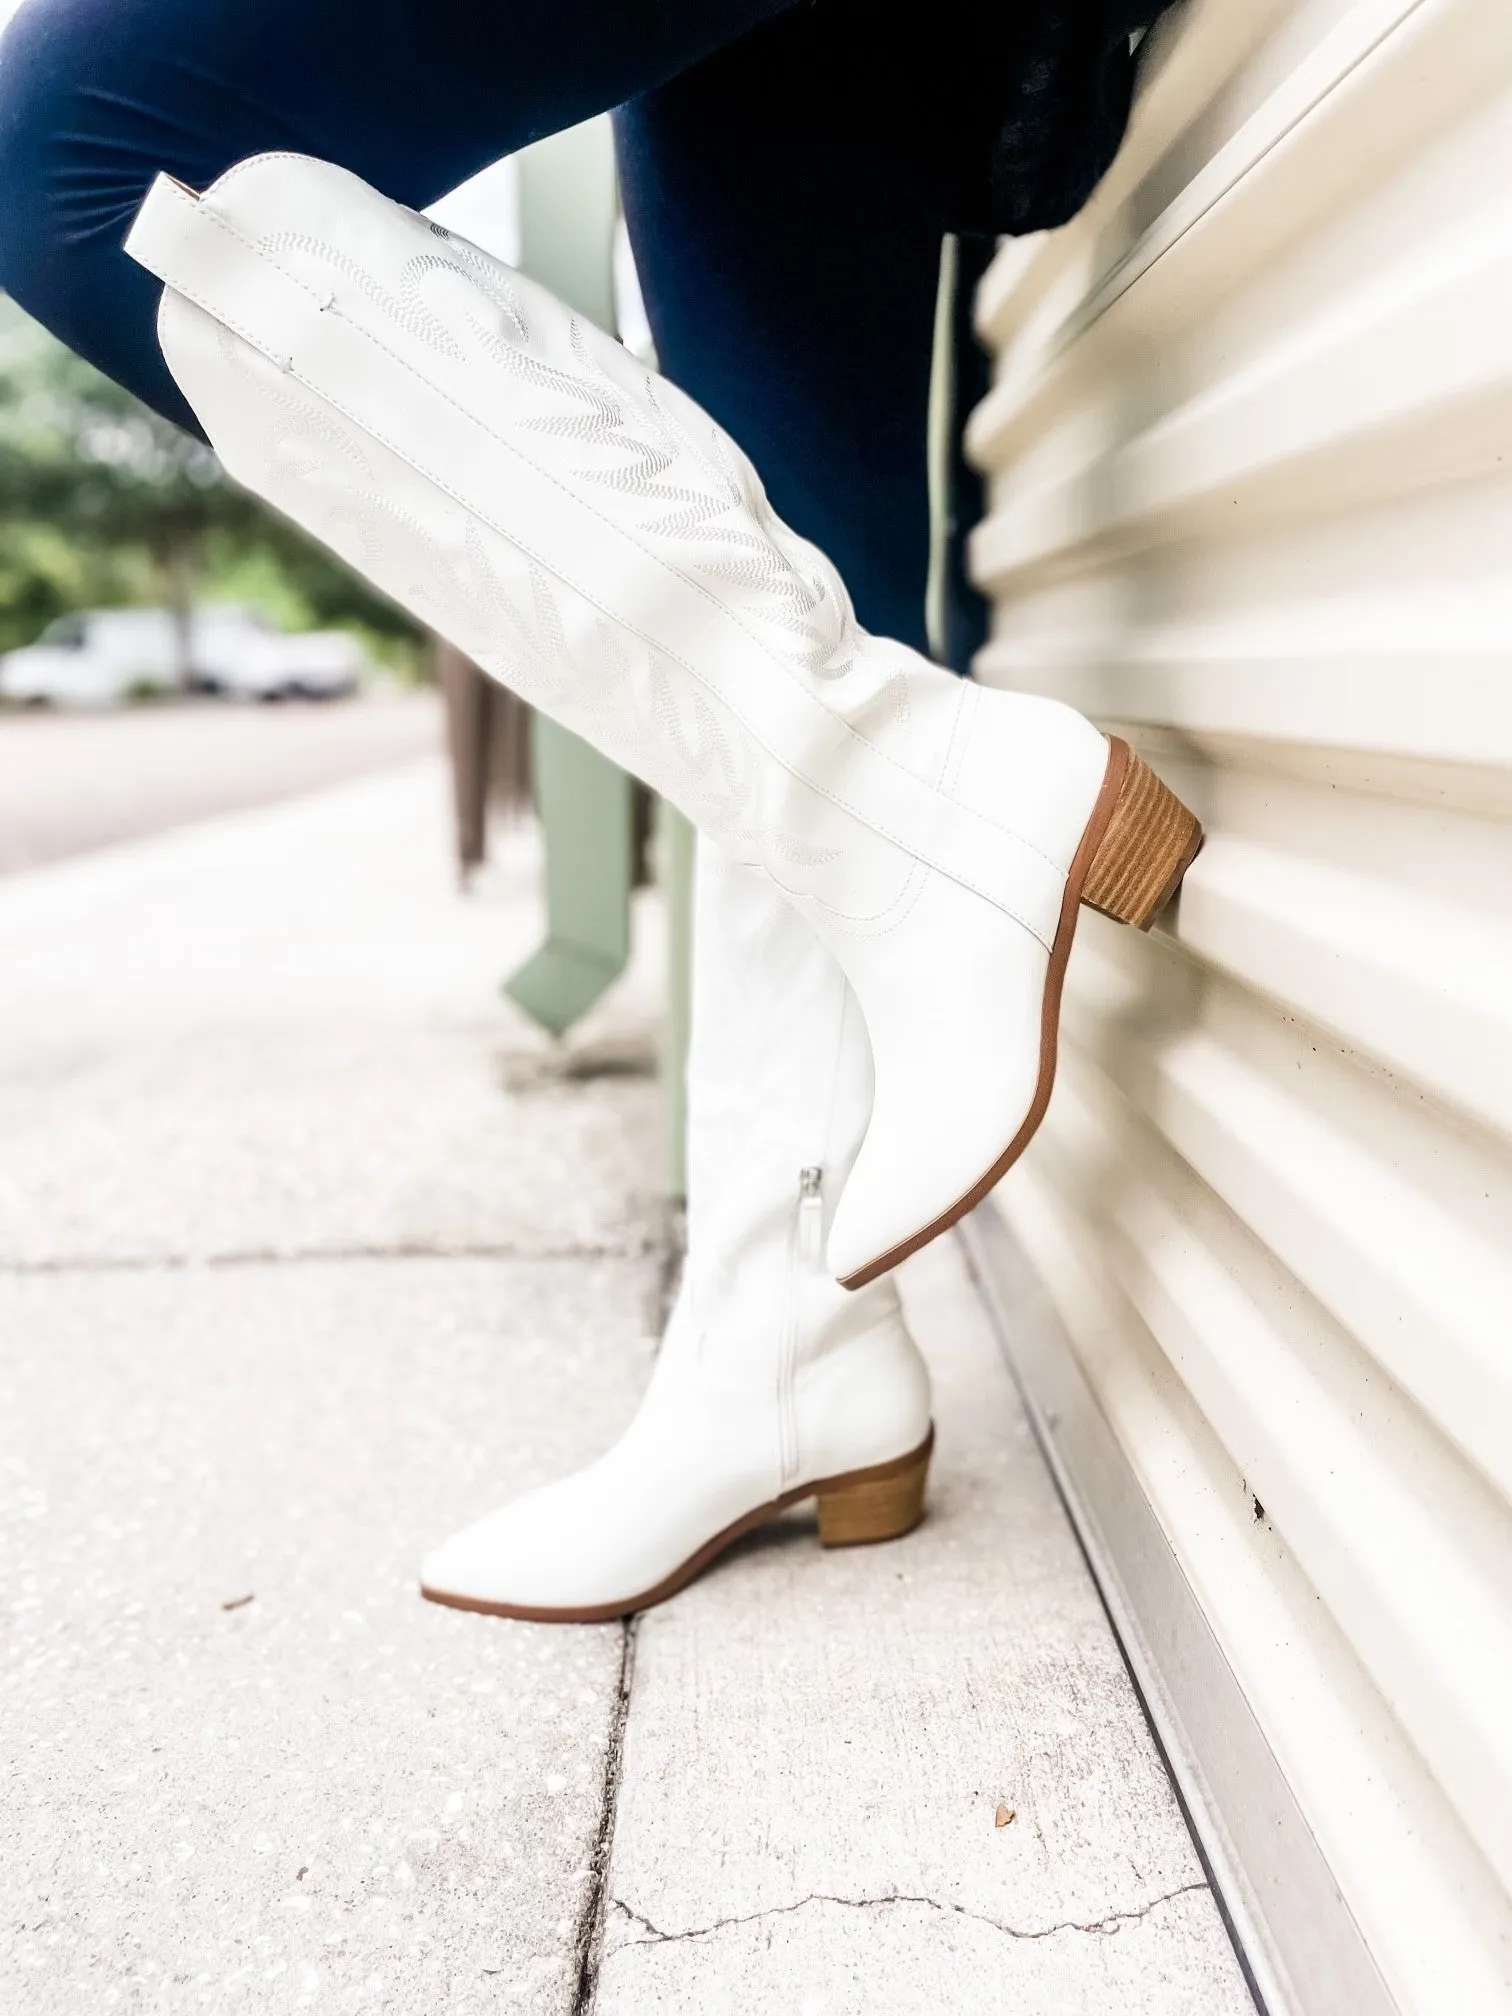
x: 101, y: 657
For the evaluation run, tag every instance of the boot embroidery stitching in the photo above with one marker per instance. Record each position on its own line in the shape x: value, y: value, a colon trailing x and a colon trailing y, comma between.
x: 880, y: 922
x: 256, y: 249
x: 409, y: 311
x: 375, y: 433
x: 534, y: 664
x: 490, y: 277
x: 381, y: 298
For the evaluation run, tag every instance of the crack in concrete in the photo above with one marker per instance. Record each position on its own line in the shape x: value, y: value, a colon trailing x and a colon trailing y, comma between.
x: 1107, y: 1927
x: 596, y: 1905
x: 636, y: 1247
x: 589, y: 1943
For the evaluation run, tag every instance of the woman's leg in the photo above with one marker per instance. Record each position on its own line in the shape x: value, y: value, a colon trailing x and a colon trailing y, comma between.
x: 787, y: 199
x: 586, y: 533
x: 788, y: 242
x: 770, y: 1376
x: 764, y: 201
x: 589, y: 534
x: 771, y: 1380
x: 97, y: 96
x: 781, y: 1064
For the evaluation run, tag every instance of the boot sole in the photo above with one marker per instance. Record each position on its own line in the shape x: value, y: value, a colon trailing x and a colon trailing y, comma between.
x: 1137, y: 846
x: 856, y: 1509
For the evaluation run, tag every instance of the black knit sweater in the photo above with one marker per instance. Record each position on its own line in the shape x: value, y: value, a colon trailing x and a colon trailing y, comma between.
x: 1023, y: 102
x: 1059, y: 125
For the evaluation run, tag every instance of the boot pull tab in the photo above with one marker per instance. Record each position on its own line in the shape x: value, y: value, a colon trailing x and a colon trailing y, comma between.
x: 811, y: 1216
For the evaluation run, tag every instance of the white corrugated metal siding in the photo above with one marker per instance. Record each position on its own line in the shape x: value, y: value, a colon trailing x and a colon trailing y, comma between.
x: 1250, y: 446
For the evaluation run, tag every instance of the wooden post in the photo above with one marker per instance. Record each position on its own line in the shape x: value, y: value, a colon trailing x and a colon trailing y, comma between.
x: 468, y: 695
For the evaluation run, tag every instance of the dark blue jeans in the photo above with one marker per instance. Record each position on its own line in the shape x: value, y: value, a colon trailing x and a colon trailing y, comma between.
x: 786, y: 212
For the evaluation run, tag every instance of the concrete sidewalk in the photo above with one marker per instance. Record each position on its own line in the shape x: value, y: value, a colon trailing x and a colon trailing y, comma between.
x: 310, y: 1249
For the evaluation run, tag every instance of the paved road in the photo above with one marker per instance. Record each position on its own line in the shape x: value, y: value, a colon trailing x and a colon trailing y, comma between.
x: 73, y: 782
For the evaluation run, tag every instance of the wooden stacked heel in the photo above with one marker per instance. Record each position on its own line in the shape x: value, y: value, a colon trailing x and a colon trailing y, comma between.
x: 1150, y: 842
x: 882, y: 1503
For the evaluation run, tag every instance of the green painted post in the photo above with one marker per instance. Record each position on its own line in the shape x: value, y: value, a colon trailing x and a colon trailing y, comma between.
x: 584, y: 805
x: 675, y: 842
x: 584, y: 802
x: 939, y: 444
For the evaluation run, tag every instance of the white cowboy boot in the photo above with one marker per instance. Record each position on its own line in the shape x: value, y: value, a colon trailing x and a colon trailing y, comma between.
x: 586, y: 533
x: 773, y: 1384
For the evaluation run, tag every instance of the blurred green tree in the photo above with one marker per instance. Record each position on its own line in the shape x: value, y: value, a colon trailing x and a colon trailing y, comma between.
x: 103, y: 503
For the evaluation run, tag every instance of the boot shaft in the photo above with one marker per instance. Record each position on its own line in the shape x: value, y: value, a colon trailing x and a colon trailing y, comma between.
x: 585, y: 532
x: 779, y: 1096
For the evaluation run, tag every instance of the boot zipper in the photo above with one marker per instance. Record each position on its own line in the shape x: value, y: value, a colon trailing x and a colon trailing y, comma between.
x: 807, y: 1250
x: 810, y: 1216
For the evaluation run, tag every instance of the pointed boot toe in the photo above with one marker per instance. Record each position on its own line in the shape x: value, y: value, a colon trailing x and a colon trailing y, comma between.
x: 506, y: 1564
